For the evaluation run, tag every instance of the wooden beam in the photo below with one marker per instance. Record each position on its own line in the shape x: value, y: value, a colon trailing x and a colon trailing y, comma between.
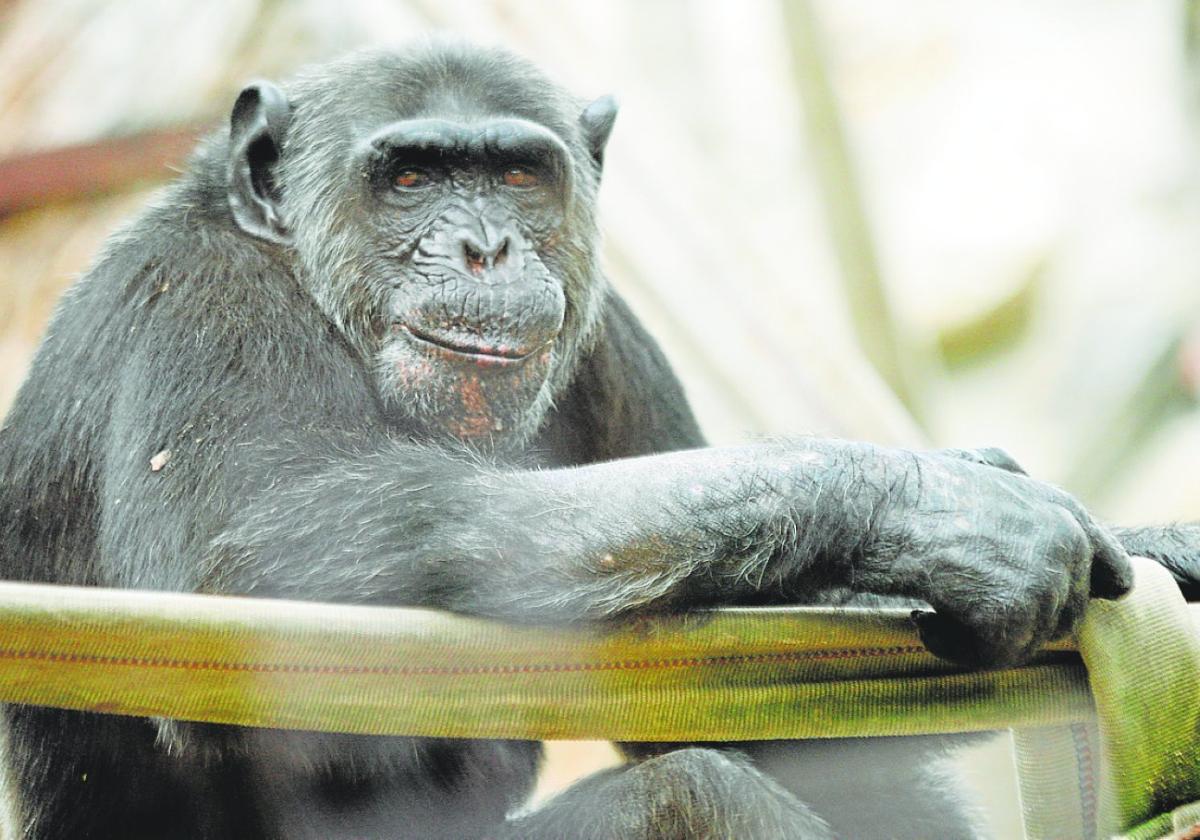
x: 37, y: 177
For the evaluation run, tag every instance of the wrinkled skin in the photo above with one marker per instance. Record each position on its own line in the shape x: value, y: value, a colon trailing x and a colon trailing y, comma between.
x: 473, y: 310
x: 366, y: 343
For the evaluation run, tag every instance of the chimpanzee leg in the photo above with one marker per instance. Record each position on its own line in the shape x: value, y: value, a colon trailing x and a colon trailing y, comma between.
x: 688, y: 794
x: 325, y: 786
x: 903, y: 788
x: 900, y: 788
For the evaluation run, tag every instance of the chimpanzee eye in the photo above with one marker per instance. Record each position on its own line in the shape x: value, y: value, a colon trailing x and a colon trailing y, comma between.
x: 412, y: 179
x: 520, y: 177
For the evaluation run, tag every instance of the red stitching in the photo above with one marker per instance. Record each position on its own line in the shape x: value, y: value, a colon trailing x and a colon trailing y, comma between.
x: 1087, y: 782
x: 438, y: 671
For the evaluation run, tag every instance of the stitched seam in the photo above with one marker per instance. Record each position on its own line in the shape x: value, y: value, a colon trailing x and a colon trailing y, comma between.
x: 1084, y: 762
x: 452, y: 671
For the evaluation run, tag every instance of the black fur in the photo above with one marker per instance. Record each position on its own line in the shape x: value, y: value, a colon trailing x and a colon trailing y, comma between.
x: 362, y: 352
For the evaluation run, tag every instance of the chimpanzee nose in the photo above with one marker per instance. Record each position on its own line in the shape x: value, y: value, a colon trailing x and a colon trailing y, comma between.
x: 480, y: 257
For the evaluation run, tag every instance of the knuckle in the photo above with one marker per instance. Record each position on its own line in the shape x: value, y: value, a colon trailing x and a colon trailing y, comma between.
x: 999, y: 457
x: 1032, y: 596
x: 1069, y: 503
x: 1067, y: 531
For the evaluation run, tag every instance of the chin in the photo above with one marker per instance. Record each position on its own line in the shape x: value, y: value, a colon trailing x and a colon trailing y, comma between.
x: 444, y: 394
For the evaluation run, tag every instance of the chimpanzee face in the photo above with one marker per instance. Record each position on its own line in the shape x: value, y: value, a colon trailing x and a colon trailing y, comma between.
x: 465, y: 217
x: 446, y: 229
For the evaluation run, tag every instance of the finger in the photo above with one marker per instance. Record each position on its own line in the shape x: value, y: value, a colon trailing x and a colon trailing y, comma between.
x: 1073, y: 609
x: 948, y: 638
x: 988, y: 456
x: 1112, y: 576
x: 1111, y: 573
x: 1066, y: 580
x: 994, y: 456
x: 1070, y: 615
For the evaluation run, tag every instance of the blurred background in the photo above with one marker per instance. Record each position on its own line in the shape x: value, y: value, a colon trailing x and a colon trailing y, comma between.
x: 934, y: 222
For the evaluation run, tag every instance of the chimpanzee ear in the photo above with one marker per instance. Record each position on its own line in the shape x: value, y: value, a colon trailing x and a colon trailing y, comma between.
x: 597, y: 122
x: 257, y: 128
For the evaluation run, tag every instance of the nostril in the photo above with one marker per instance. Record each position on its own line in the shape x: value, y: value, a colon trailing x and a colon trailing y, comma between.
x: 473, y: 257
x: 479, y: 258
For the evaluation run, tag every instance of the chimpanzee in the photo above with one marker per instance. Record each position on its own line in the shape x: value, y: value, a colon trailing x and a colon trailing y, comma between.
x: 362, y: 352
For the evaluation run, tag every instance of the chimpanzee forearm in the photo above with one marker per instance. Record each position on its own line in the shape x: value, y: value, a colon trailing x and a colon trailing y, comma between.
x: 688, y: 529
x: 1002, y: 558
x: 424, y: 526
x: 1177, y: 547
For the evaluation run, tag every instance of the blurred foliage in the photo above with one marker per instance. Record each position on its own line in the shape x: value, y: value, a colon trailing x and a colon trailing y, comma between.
x: 1117, y: 438
x: 995, y: 329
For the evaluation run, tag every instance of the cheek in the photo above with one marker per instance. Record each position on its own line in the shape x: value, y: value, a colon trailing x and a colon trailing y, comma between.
x: 408, y: 371
x: 414, y: 375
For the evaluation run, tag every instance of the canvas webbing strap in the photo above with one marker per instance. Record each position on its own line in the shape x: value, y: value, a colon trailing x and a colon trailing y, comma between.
x: 730, y: 674
x: 1140, y: 760
x: 1058, y: 773
x: 1143, y: 658
x: 726, y: 675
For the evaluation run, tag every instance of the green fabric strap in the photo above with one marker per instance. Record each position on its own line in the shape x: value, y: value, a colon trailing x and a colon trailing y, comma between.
x: 1183, y: 822
x: 1058, y: 772
x: 1143, y: 660
x: 1131, y: 771
x: 726, y: 675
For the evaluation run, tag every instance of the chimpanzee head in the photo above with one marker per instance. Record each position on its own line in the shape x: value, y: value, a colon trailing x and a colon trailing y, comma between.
x: 438, y: 204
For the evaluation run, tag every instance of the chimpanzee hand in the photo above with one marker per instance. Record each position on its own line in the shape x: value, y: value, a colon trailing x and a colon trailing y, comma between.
x: 1007, y: 562
x: 1176, y: 547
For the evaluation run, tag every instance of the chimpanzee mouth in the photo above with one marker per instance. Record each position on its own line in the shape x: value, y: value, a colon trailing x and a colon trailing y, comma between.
x: 478, y: 351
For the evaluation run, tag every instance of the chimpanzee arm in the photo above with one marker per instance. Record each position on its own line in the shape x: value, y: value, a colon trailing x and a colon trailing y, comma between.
x: 1177, y: 547
x: 1004, y: 559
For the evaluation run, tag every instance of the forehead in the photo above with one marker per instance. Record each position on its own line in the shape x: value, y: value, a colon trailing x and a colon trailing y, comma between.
x: 462, y: 84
